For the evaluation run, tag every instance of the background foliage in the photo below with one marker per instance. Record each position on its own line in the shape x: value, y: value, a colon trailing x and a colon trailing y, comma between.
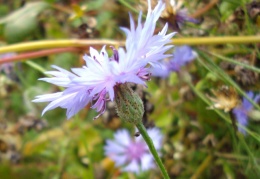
x: 198, y: 143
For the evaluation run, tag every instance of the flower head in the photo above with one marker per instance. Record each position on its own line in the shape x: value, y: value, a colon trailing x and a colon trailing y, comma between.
x: 8, y: 67
x: 226, y: 98
x: 182, y: 17
x: 95, y: 83
x: 133, y: 155
x: 181, y: 56
x: 241, y: 112
x: 161, y: 70
x: 175, y: 15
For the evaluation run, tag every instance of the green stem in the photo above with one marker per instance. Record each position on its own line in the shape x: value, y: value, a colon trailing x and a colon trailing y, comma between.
x: 204, y: 98
x: 46, y: 44
x: 37, y: 67
x: 129, y: 6
x: 250, y: 67
x: 222, y: 75
x: 27, y: 46
x: 149, y: 142
x: 216, y: 40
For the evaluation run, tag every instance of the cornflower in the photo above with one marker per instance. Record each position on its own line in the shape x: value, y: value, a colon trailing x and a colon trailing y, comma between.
x: 177, y: 16
x: 241, y: 111
x: 97, y: 82
x: 181, y: 56
x: 8, y: 68
x: 182, y: 17
x: 132, y: 155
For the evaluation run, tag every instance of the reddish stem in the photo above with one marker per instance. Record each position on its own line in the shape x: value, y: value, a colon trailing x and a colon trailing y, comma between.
x: 40, y: 53
x: 205, y: 9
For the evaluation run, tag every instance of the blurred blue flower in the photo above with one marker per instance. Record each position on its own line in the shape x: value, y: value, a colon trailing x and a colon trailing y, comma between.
x: 182, y: 17
x: 133, y: 155
x: 8, y: 68
x: 177, y: 16
x: 241, y: 112
x: 95, y: 83
x: 181, y: 56
x: 161, y: 69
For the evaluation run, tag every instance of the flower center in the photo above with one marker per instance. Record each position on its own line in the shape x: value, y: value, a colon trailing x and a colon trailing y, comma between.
x: 135, y: 150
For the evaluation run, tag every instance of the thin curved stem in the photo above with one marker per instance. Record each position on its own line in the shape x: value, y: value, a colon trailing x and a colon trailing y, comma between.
x: 27, y: 46
x: 250, y: 67
x: 216, y: 40
x: 205, y: 9
x: 36, y: 54
x: 149, y: 142
x: 45, y: 44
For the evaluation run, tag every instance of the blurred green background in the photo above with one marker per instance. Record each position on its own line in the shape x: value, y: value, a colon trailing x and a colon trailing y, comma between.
x: 198, y: 143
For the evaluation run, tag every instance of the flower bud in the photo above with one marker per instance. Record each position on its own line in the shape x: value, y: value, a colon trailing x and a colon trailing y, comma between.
x: 129, y: 105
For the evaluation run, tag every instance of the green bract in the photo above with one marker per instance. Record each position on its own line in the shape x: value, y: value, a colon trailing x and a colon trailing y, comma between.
x: 128, y: 104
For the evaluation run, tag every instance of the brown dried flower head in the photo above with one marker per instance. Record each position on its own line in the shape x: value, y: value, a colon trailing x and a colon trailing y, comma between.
x: 226, y: 98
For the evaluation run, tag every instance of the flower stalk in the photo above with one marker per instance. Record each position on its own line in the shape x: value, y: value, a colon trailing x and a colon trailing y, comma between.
x: 130, y: 108
x: 27, y: 46
x: 41, y: 53
x: 150, y: 144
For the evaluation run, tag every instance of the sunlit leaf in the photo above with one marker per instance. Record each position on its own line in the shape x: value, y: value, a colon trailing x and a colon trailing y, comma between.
x: 22, y: 22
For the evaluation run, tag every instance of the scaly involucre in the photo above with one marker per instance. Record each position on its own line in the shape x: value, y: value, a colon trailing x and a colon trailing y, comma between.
x: 95, y: 82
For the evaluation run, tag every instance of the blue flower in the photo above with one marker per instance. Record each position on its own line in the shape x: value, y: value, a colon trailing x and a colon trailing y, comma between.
x: 241, y: 112
x: 133, y: 155
x: 160, y: 70
x: 181, y: 56
x: 95, y: 82
x: 176, y: 16
x: 8, y: 67
x: 182, y: 17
